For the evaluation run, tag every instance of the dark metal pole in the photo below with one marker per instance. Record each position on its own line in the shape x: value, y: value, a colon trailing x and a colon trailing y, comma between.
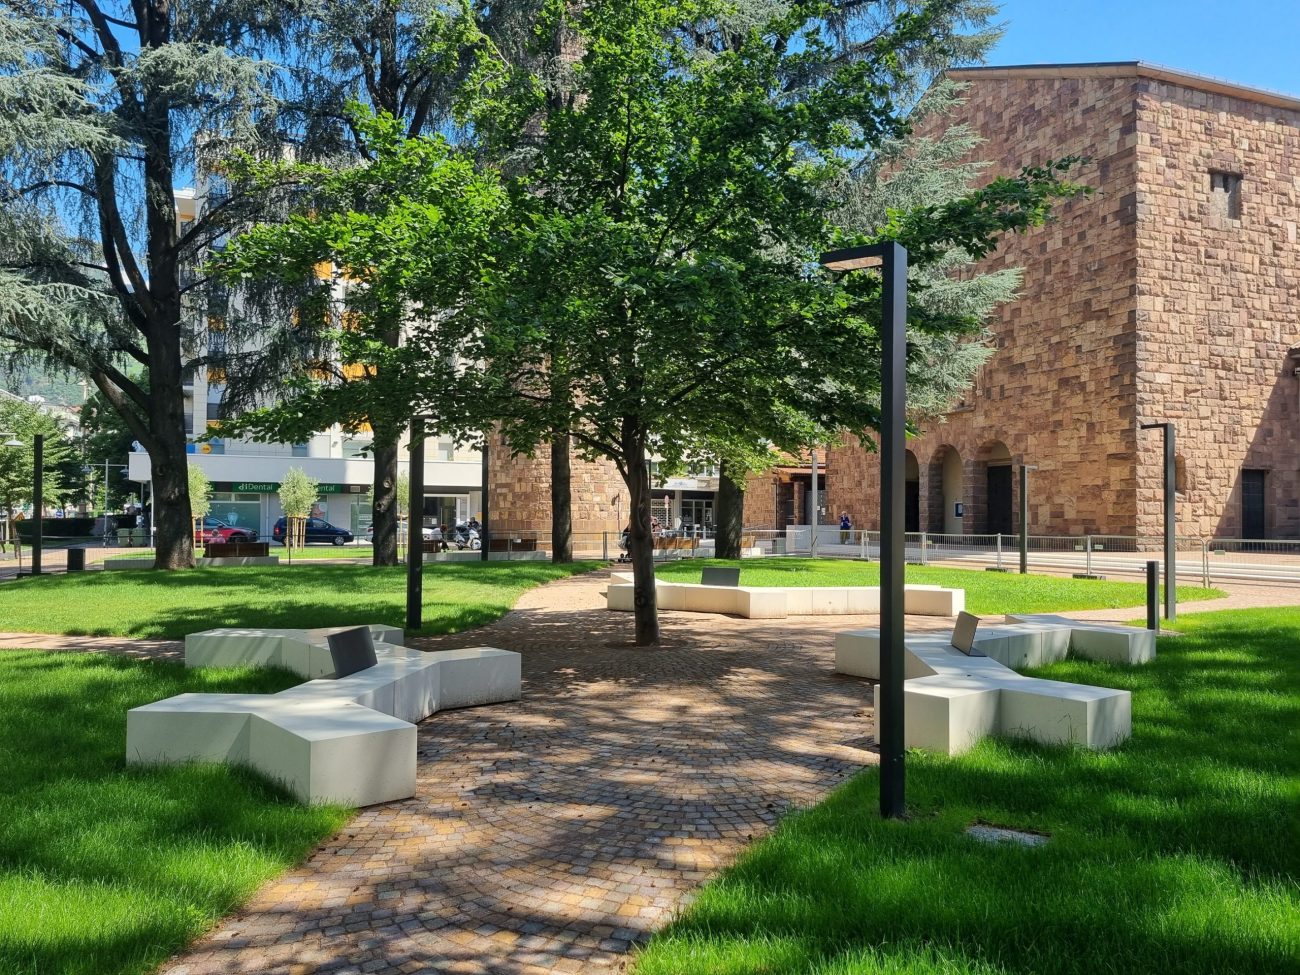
x: 1153, y: 596
x: 813, y: 511
x: 1024, y: 519
x: 38, y: 506
x: 1171, y: 538
x: 1171, y: 530
x: 893, y: 554
x: 414, y: 529
x: 484, y: 529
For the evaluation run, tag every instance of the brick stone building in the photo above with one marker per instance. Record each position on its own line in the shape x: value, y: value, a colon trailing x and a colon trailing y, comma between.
x: 1173, y: 293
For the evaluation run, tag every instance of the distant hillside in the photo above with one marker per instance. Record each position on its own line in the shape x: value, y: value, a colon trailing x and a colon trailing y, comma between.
x: 24, y: 381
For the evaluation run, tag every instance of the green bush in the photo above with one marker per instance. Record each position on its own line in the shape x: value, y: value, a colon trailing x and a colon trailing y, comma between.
x: 56, y: 528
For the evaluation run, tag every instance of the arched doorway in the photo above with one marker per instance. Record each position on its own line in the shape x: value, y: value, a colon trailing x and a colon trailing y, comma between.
x: 945, y: 495
x: 999, y: 516
x: 912, y: 475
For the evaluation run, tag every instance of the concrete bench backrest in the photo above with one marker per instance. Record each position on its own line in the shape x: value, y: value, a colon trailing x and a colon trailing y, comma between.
x: 720, y: 576
x: 963, y: 634
x: 352, y: 650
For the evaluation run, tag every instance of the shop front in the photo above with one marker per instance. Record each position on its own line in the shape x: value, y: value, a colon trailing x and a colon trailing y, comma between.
x: 257, y: 503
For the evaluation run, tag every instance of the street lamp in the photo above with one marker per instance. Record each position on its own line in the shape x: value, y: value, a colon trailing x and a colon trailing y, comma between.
x: 415, y: 527
x: 1171, y: 475
x: 1024, y: 516
x: 892, y: 259
x: 38, y: 494
x: 13, y: 441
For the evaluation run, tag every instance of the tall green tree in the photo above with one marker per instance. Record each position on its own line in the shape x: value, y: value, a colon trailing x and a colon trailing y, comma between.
x: 21, y: 422
x: 665, y: 241
x: 107, y: 109
x: 105, y: 436
x: 407, y: 232
x: 399, y: 59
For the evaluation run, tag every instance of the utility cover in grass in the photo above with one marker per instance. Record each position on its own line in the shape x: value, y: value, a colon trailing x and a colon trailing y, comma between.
x: 997, y: 834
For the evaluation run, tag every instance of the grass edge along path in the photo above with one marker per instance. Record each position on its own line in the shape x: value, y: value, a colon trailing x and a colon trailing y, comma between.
x: 1175, y: 853
x: 987, y: 593
x: 106, y: 868
x: 169, y: 605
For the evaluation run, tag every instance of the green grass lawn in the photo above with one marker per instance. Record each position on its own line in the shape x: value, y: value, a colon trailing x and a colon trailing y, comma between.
x: 987, y: 593
x: 1176, y: 853
x: 147, y: 603
x: 105, y: 869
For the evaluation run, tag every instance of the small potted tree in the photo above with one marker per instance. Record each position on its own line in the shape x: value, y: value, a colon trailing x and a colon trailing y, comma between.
x: 200, y: 499
x: 298, y: 492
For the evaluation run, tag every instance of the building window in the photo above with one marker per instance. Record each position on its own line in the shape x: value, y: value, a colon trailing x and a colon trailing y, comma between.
x: 1225, y: 192
x: 298, y: 450
x: 446, y: 450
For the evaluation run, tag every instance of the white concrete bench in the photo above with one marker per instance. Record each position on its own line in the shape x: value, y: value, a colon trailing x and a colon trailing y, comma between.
x: 305, y: 652
x: 951, y: 700
x: 778, y: 602
x: 1095, y: 641
x: 350, y: 741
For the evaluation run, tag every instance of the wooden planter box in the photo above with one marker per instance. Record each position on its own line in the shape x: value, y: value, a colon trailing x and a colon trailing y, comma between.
x: 512, y: 545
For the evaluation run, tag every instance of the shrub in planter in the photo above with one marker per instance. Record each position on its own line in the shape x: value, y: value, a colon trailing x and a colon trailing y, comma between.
x: 56, y: 528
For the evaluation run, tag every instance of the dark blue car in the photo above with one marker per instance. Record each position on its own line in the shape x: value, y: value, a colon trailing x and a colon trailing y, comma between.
x: 317, y: 531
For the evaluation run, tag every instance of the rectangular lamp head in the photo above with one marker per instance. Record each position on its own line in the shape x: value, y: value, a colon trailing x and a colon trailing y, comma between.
x: 854, y: 258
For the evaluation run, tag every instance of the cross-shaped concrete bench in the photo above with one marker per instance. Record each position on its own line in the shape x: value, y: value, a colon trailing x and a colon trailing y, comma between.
x: 952, y: 700
x: 778, y: 602
x: 349, y: 740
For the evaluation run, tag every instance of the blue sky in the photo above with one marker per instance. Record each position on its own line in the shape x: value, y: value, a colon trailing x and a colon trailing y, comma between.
x: 1252, y: 42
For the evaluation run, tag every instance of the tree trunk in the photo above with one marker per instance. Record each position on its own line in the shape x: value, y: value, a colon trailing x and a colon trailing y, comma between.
x: 173, y: 520
x: 173, y: 523
x: 730, y: 515
x: 640, y: 537
x: 164, y: 314
x: 561, y: 500
x: 384, y: 512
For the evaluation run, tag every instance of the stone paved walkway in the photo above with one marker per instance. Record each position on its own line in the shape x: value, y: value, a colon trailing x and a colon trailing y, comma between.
x: 553, y: 834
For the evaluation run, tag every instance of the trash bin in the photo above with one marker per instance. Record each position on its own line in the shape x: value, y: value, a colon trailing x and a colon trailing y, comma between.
x: 76, y: 559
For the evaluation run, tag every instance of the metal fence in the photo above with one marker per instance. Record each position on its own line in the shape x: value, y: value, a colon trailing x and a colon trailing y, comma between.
x: 1199, y: 561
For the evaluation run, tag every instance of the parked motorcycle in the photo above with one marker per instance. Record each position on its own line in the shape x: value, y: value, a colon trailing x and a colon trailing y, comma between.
x: 464, y: 536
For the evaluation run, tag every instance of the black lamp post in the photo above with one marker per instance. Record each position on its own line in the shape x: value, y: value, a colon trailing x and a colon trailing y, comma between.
x: 1171, y: 476
x: 13, y: 442
x: 484, y: 474
x: 892, y: 259
x: 1024, y: 516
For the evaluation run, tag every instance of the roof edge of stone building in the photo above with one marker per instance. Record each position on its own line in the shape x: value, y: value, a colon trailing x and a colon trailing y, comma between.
x: 1139, y: 69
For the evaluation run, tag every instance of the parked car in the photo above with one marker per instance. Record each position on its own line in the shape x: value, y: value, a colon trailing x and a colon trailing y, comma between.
x: 317, y: 531
x: 218, y: 531
x: 401, y: 532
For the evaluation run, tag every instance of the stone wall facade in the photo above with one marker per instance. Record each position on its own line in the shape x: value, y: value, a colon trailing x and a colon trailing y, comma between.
x: 1219, y: 304
x: 1145, y: 302
x: 520, y: 493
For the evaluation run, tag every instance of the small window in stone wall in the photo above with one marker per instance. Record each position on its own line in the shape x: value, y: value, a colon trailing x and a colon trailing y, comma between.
x: 1225, y: 193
